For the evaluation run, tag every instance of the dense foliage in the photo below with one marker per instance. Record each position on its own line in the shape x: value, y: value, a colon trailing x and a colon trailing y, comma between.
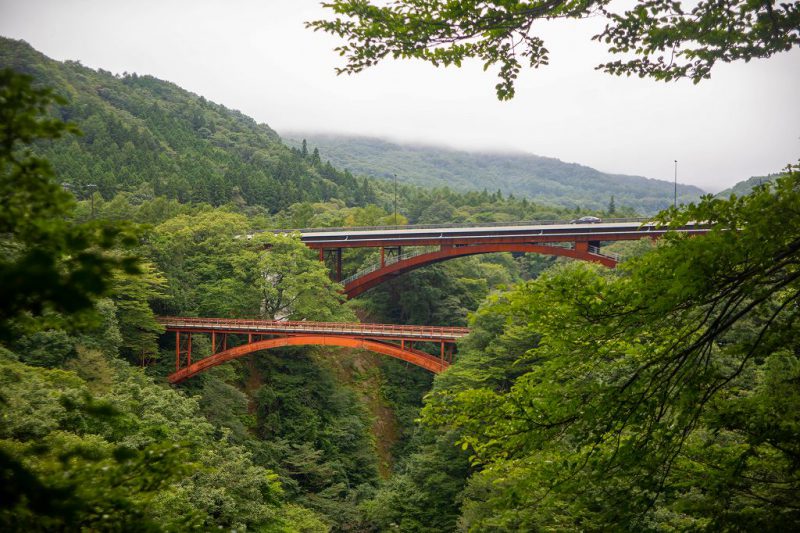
x: 663, y: 395
x: 659, y: 396
x: 47, y: 265
x: 144, y: 135
x: 87, y: 441
x: 662, y: 39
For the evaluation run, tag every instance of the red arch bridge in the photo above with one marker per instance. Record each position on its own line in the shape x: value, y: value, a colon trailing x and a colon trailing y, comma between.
x: 405, y: 248
x: 233, y: 338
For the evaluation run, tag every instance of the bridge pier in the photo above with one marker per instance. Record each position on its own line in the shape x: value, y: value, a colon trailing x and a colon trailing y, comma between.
x: 179, y: 352
x: 336, y: 253
x: 393, y: 251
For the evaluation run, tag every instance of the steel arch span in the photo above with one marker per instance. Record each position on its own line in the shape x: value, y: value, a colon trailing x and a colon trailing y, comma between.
x: 410, y: 355
x: 364, y: 283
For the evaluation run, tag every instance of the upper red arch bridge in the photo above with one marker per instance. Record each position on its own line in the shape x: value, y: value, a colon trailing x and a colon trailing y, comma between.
x: 233, y: 338
x: 425, y: 245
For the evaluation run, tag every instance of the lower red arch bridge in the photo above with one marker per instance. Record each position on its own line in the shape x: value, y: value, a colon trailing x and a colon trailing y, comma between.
x: 233, y: 338
x: 409, y: 247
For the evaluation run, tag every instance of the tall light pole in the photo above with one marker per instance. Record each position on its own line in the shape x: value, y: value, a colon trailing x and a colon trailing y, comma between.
x: 675, y: 198
x: 92, y: 187
x: 395, y: 199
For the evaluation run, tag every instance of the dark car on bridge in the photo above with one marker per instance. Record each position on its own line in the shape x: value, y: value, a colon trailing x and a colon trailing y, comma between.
x: 586, y: 220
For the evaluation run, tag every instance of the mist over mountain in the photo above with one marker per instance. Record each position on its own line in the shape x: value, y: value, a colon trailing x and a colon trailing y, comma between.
x: 543, y: 179
x: 142, y: 131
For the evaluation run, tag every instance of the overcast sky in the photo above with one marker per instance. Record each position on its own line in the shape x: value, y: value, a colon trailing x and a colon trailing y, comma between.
x: 256, y: 56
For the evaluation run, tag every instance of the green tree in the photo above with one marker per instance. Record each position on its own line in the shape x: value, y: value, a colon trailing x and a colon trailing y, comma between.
x: 210, y: 268
x: 48, y: 264
x: 664, y: 39
x: 294, y: 284
x: 661, y: 396
x: 132, y: 295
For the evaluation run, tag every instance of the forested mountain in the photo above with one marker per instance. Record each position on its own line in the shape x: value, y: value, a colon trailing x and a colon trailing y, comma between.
x: 142, y: 133
x: 658, y: 396
x: 746, y: 186
x: 292, y: 440
x: 542, y: 179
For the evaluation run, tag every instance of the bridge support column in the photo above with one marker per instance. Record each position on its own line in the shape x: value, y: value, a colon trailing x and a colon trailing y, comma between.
x: 336, y: 253
x: 387, y: 252
x: 213, y: 342
x: 179, y: 352
x: 582, y: 246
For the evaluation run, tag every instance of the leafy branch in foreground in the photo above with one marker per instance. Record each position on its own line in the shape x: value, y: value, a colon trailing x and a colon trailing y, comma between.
x: 47, y: 263
x: 663, y: 395
x: 665, y: 39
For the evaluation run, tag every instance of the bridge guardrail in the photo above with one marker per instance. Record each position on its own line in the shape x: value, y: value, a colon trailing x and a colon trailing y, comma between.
x: 344, y: 328
x: 450, y: 225
x: 597, y: 251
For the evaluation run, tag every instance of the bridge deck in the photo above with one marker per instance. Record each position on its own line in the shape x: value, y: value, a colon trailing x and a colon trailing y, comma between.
x: 466, y: 234
x: 358, y: 330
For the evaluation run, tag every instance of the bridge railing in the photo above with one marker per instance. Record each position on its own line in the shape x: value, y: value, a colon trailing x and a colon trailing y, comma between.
x: 454, y: 225
x: 389, y: 261
x: 597, y: 251
x: 344, y: 328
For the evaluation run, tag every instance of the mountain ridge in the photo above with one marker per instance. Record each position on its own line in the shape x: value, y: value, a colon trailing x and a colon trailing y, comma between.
x: 539, y: 178
x: 146, y: 136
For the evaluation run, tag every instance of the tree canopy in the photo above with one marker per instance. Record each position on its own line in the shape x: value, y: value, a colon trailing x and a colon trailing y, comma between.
x: 662, y: 39
x: 48, y: 264
x: 660, y: 396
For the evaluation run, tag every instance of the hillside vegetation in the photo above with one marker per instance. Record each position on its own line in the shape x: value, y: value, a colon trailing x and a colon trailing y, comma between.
x: 542, y: 179
x: 658, y: 396
x: 142, y: 134
x: 745, y: 187
x: 296, y: 459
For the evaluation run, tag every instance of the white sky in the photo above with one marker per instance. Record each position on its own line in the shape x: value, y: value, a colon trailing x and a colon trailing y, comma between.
x: 256, y: 56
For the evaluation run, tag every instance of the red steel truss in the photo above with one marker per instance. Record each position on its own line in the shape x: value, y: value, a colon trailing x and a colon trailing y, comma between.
x: 247, y: 336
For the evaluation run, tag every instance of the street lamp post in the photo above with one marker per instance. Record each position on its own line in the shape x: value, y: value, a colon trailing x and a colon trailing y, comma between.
x: 675, y: 198
x: 395, y: 199
x: 92, y: 187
